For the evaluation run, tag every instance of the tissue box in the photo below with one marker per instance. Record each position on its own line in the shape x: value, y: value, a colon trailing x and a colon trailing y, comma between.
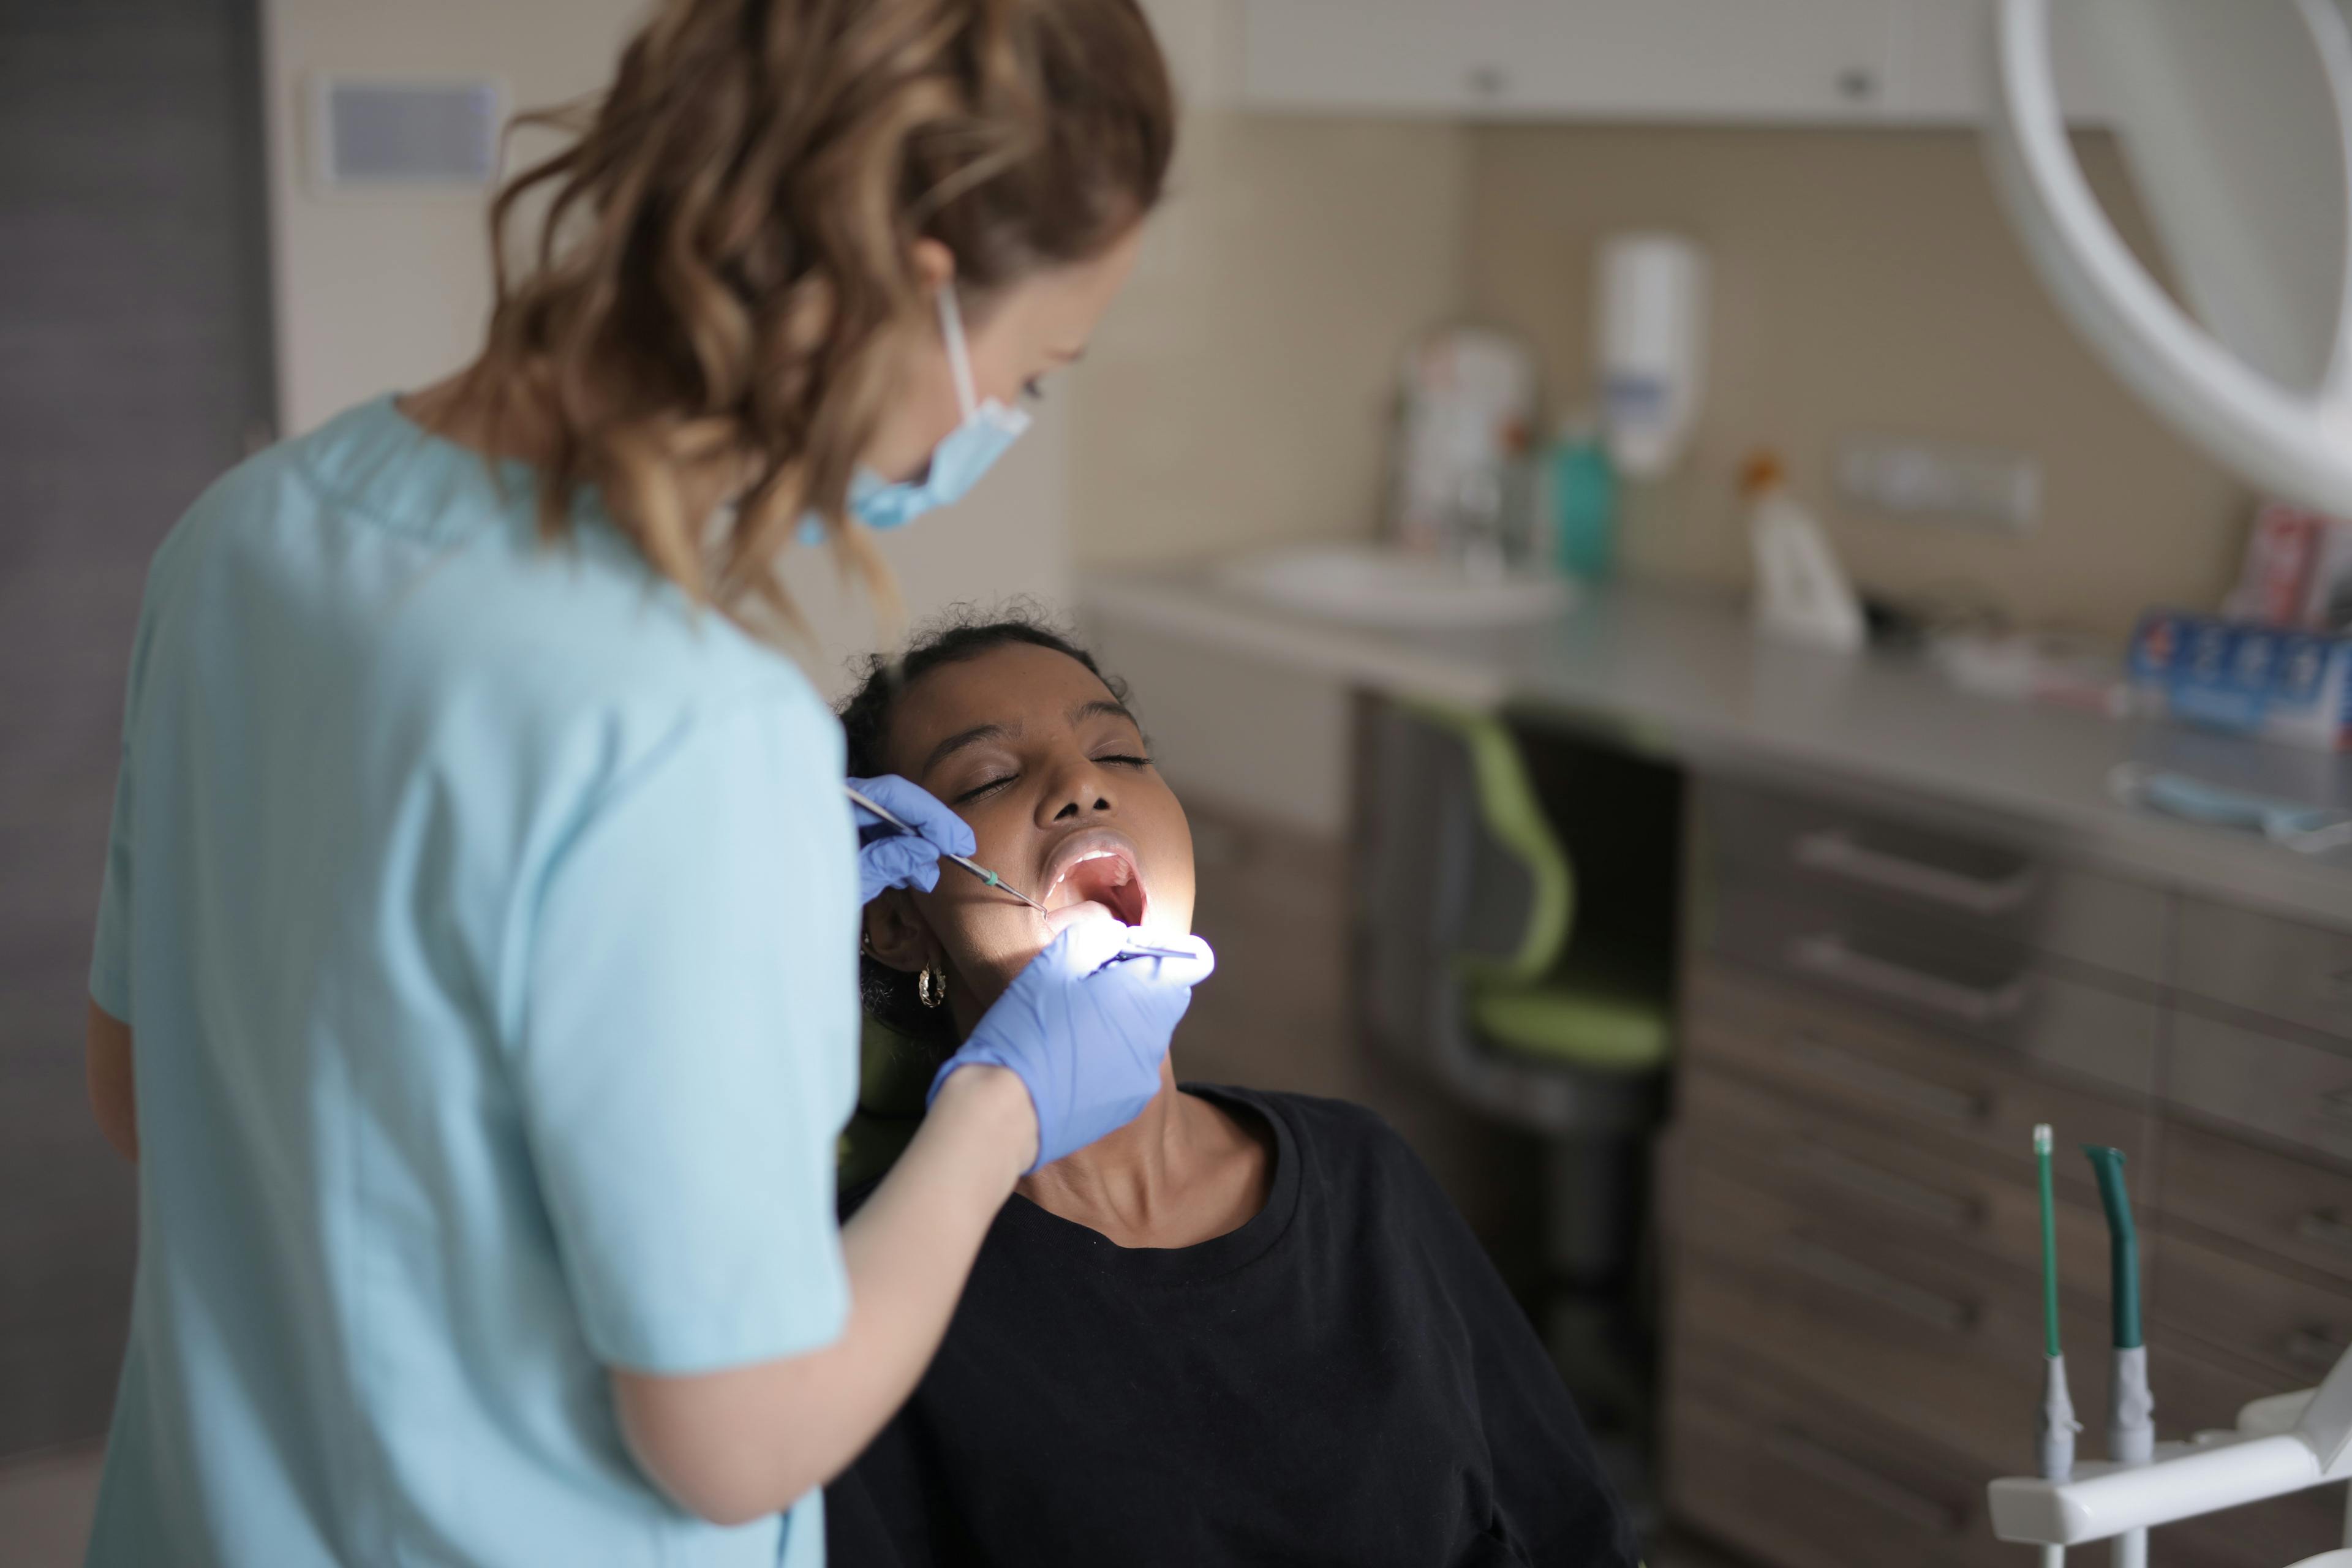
x: 2269, y: 682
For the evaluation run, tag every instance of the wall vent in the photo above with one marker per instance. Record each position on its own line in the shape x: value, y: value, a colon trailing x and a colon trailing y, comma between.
x: 378, y: 133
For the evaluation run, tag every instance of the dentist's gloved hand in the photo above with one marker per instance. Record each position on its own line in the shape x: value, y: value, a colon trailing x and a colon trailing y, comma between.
x: 1085, y: 1029
x: 889, y: 858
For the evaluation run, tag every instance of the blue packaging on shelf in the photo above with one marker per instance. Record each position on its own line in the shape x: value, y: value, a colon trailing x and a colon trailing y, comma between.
x: 2270, y: 681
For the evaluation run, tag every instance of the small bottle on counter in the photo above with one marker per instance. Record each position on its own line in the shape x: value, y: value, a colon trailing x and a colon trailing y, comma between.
x: 1580, y: 484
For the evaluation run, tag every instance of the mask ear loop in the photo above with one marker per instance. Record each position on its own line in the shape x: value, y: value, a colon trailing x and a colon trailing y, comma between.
x: 959, y: 353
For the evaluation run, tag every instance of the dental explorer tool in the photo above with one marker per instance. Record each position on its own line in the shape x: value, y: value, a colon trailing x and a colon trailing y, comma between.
x: 968, y: 864
x: 2131, y: 1409
x: 2054, y: 1435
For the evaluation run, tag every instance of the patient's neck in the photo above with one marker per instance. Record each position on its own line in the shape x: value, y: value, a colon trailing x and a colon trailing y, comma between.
x: 1184, y: 1171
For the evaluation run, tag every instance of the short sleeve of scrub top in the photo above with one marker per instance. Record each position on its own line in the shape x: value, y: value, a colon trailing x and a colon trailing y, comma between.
x: 487, y: 919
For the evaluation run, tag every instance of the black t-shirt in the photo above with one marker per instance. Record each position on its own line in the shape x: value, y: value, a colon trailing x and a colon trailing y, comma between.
x: 1344, y: 1380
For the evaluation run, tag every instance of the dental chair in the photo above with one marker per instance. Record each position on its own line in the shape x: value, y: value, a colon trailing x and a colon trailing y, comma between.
x: 1485, y: 962
x: 894, y: 1073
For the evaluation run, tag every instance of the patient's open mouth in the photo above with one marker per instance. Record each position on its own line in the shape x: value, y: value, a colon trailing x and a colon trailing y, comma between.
x: 1097, y: 867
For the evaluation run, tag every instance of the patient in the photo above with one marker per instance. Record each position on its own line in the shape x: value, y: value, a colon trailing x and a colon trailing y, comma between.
x: 1246, y: 1328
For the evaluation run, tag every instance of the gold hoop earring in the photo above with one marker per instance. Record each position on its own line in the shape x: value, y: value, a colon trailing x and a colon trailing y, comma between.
x: 930, y: 993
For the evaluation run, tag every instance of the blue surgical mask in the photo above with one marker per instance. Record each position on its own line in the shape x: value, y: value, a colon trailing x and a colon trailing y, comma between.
x: 963, y: 455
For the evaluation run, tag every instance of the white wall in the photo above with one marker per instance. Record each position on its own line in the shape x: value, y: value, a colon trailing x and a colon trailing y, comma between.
x: 1238, y: 394
x: 1010, y: 538
x: 391, y: 290
x: 1865, y: 281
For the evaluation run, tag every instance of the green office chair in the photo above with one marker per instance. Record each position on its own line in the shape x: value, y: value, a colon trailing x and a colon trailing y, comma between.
x: 1539, y: 1000
x: 1473, y: 963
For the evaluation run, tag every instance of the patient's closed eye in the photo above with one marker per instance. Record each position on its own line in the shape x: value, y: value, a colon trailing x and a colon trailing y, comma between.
x: 980, y: 789
x: 1115, y: 759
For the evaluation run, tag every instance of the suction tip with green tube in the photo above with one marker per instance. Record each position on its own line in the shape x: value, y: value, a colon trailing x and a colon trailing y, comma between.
x: 2122, y: 1243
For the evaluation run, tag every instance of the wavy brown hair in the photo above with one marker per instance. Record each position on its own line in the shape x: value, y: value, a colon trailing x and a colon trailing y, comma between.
x: 724, y: 257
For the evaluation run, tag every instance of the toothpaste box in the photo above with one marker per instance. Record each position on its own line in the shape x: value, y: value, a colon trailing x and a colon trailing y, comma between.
x: 2269, y: 682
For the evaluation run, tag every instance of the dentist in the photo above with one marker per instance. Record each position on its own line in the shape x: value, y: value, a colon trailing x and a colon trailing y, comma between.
x: 475, y: 982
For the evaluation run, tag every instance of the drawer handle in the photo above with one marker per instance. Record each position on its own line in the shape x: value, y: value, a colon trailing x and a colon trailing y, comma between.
x: 2328, y: 1227
x: 1838, y: 852
x: 1884, y: 1187
x: 2313, y: 1348
x: 1828, y: 956
x: 1831, y: 1267
x: 1916, y: 1093
x: 1808, y: 1453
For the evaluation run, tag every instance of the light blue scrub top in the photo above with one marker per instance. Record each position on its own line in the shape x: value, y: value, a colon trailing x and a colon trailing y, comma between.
x: 486, y: 921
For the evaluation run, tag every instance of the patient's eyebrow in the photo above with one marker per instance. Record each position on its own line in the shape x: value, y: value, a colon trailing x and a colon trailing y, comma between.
x: 1104, y: 708
x: 971, y: 737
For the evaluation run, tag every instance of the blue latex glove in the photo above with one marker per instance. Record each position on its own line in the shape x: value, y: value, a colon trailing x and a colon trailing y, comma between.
x: 889, y: 858
x: 1084, y: 1027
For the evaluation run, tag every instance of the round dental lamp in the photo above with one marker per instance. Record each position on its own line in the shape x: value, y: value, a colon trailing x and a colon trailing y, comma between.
x: 2235, y: 119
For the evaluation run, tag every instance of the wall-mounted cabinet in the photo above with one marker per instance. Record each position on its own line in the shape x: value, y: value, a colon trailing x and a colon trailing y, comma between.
x: 1943, y: 65
x: 1817, y: 62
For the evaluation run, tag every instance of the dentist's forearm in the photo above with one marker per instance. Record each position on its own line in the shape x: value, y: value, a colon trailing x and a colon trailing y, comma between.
x: 734, y: 1446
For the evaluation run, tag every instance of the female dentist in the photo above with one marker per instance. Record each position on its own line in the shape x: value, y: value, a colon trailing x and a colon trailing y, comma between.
x: 475, y: 981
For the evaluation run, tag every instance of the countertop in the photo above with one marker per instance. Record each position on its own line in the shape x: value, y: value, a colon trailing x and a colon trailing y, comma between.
x: 1684, y: 678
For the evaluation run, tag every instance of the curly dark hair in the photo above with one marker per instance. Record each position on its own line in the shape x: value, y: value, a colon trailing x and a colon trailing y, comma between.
x: 963, y: 632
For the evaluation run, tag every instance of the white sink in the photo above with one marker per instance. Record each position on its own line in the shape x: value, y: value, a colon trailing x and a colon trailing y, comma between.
x: 1375, y: 586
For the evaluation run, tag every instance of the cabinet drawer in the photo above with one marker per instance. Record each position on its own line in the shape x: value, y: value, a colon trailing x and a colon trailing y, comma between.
x: 2286, y: 1326
x: 1980, y: 882
x: 2195, y: 1394
x: 2297, y: 1211
x: 2266, y: 965
x: 2282, y: 1089
x: 1978, y: 1104
x: 1937, y: 1339
x: 1982, y: 992
x: 1804, y: 1481
x: 1868, y: 1177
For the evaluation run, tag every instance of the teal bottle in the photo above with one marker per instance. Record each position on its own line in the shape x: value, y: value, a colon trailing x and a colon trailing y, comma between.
x: 1583, y: 485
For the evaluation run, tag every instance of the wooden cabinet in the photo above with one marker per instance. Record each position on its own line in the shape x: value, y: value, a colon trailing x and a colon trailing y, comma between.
x: 1849, y: 1224
x: 1746, y: 61
x: 1378, y: 57
x: 1798, y: 1479
x: 2288, y: 1208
